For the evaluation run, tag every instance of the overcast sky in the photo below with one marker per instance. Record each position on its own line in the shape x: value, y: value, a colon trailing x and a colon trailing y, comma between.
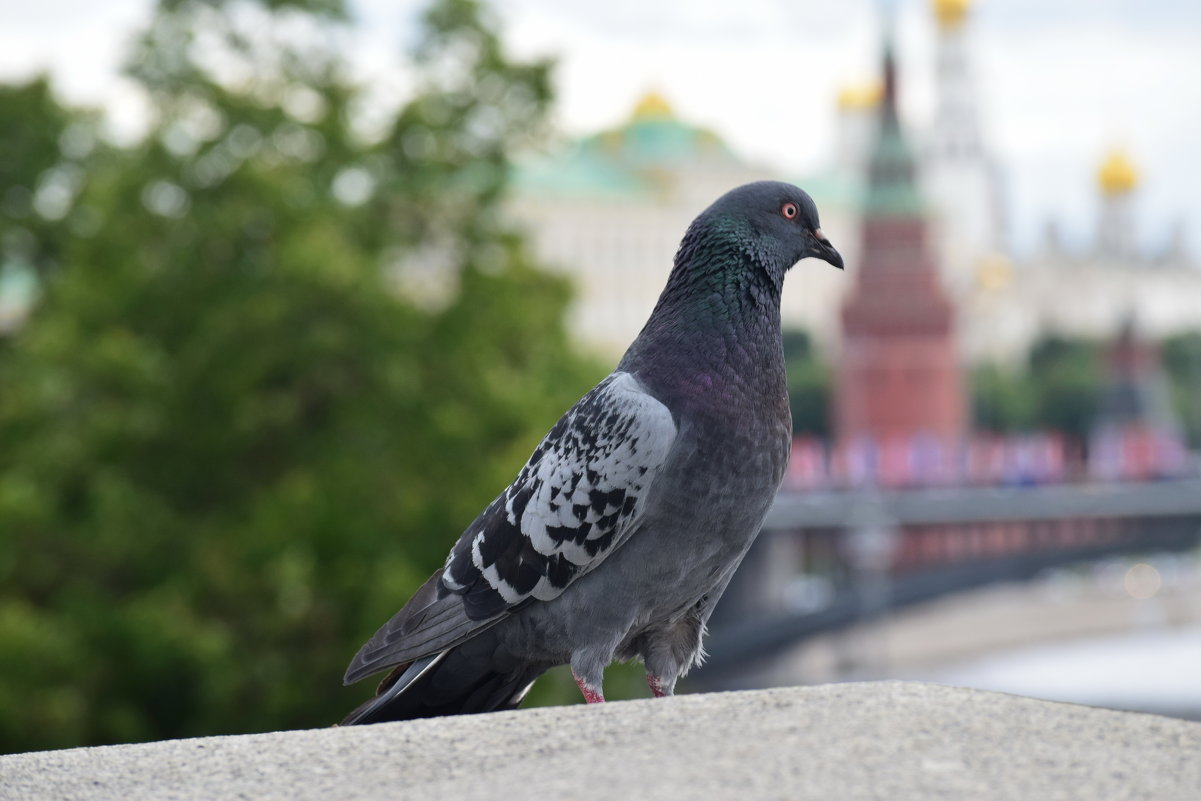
x: 1061, y: 81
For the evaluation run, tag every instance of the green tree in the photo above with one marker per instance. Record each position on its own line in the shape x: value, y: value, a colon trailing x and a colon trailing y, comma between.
x: 1182, y: 361
x: 45, y: 150
x: 1003, y: 400
x: 228, y: 448
x: 1067, y: 375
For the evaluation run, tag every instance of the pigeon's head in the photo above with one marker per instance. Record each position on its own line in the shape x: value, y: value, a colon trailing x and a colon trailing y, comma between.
x: 776, y: 223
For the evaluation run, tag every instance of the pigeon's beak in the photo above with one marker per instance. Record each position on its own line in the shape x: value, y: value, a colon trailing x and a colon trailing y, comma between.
x: 822, y: 249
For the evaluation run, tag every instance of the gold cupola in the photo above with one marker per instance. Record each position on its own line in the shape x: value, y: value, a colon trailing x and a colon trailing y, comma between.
x: 1117, y: 174
x: 860, y: 97
x: 652, y: 106
x: 950, y: 13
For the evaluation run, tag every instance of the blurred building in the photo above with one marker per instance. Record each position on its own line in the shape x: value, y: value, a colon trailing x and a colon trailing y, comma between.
x: 1092, y: 290
x: 959, y: 173
x: 898, y: 376
x: 609, y: 210
x: 1006, y: 304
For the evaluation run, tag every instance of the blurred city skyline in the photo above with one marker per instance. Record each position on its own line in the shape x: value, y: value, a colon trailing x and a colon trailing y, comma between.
x: 1059, y: 85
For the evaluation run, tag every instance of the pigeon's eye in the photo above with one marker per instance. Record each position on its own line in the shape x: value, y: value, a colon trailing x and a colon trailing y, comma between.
x: 790, y: 211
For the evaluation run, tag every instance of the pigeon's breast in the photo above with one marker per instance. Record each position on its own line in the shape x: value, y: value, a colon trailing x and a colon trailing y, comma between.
x: 714, y: 498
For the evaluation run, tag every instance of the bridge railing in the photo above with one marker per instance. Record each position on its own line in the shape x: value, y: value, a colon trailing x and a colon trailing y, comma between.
x: 1128, y: 453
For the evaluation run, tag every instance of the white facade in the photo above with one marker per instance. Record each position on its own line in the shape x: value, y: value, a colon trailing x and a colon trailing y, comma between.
x: 959, y: 175
x: 617, y: 243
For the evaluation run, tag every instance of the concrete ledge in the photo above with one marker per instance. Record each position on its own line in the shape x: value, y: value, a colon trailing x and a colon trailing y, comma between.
x: 889, y: 740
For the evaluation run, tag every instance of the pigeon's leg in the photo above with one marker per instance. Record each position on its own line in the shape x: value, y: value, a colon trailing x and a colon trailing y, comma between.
x: 588, y: 669
x: 669, y: 651
x: 660, y: 685
x: 592, y: 693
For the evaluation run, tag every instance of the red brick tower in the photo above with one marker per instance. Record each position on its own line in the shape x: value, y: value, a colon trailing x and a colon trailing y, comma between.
x: 898, y: 381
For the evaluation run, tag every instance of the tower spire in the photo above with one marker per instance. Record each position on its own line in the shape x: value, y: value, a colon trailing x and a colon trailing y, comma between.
x: 892, y: 188
x: 890, y: 81
x: 888, y: 69
x: 898, y: 384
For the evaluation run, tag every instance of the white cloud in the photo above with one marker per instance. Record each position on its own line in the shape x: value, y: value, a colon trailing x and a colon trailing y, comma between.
x: 81, y: 43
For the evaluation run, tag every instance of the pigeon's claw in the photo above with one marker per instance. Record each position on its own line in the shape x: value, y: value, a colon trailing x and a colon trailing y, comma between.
x: 592, y: 695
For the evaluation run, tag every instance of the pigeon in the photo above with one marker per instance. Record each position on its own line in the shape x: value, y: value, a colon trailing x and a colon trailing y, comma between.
x: 621, y: 532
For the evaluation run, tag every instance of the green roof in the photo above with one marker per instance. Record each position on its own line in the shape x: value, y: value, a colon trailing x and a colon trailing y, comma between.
x: 834, y: 188
x: 622, y: 161
x: 628, y: 161
x: 575, y: 173
x: 891, y: 188
x: 657, y: 142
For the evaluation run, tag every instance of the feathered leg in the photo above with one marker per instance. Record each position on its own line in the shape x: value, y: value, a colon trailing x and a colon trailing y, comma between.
x: 670, y: 651
x: 588, y: 670
x: 593, y: 694
x: 660, y: 686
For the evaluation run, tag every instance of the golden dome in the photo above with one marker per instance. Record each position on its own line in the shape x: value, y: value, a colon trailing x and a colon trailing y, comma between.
x: 950, y: 13
x: 994, y: 272
x: 652, y: 105
x: 860, y: 98
x: 1117, y: 175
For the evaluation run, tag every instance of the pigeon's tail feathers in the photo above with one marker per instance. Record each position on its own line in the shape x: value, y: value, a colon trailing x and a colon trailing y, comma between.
x: 375, y: 709
x: 448, y: 683
x: 431, y: 622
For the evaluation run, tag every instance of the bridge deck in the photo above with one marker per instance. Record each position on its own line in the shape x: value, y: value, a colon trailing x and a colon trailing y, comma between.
x: 835, y: 509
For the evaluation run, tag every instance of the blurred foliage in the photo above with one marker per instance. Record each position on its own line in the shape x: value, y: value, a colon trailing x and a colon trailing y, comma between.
x: 1002, y: 399
x: 1067, y: 376
x: 809, y: 385
x: 1056, y: 391
x: 1182, y: 362
x: 1063, y: 379
x: 229, y: 448
x: 46, y: 150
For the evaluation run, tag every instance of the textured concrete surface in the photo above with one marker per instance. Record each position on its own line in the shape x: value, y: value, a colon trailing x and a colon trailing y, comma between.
x: 892, y: 740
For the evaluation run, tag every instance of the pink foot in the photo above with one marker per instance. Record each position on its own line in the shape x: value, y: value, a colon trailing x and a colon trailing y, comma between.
x: 656, y: 685
x: 592, y: 695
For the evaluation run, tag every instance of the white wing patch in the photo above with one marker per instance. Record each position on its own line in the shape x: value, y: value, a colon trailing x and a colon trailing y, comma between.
x: 576, y: 499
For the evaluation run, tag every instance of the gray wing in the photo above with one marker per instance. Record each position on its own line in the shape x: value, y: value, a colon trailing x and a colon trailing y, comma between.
x: 577, y: 499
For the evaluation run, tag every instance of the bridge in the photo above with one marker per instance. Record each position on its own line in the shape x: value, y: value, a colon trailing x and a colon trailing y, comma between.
x: 883, y: 550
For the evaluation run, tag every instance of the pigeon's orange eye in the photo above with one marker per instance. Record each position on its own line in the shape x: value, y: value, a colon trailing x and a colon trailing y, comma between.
x: 790, y: 211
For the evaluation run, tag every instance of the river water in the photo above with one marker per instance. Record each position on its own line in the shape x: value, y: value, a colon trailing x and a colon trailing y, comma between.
x: 1153, y: 670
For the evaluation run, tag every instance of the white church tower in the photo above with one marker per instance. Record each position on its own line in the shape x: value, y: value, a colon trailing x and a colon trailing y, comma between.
x: 1117, y: 179
x: 959, y: 173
